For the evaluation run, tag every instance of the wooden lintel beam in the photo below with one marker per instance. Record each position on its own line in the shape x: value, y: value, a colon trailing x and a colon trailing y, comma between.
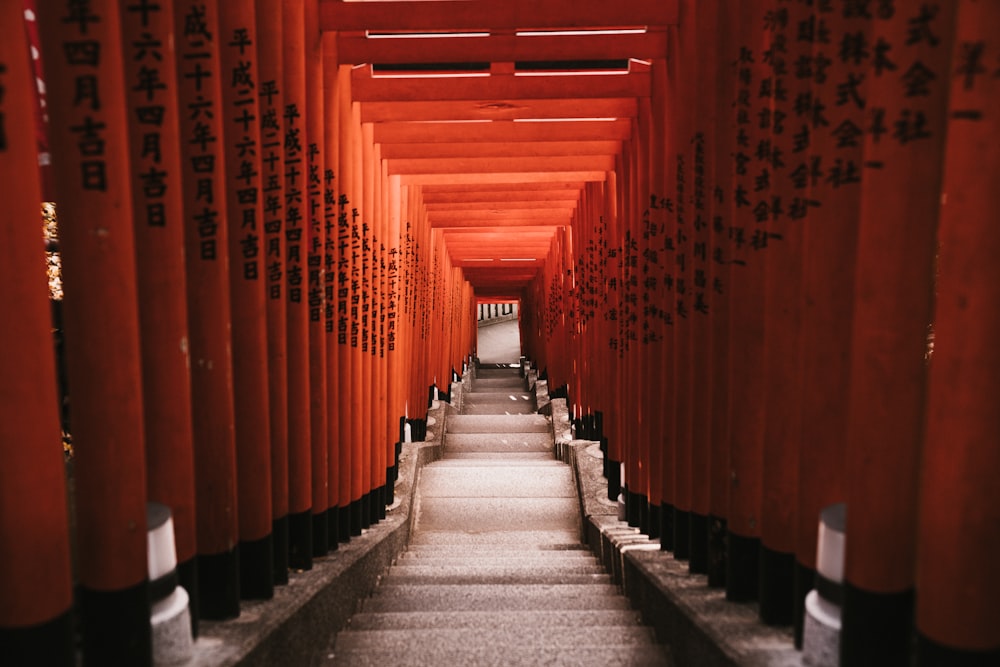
x: 464, y: 15
x: 491, y: 132
x: 481, y: 165
x: 368, y: 88
x: 503, y: 214
x: 502, y: 203
x: 509, y: 177
x: 506, y: 149
x: 513, y: 222
x: 523, y: 186
x: 480, y: 109
x: 356, y: 49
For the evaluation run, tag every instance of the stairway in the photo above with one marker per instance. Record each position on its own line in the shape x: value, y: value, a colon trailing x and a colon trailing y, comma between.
x: 495, y: 573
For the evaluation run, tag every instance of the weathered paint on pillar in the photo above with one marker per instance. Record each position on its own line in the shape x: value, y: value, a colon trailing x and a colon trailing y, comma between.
x: 272, y: 177
x: 316, y: 151
x: 295, y: 117
x: 199, y: 75
x: 958, y: 596
x: 247, y: 270
x: 83, y: 53
x: 892, y: 312
x: 151, y: 84
x: 35, y: 580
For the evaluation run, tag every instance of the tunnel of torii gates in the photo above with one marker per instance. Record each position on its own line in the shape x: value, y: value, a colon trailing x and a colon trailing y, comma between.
x: 754, y: 243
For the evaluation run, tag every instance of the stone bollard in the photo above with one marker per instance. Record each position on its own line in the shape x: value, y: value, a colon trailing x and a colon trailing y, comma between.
x: 821, y: 635
x: 170, y: 617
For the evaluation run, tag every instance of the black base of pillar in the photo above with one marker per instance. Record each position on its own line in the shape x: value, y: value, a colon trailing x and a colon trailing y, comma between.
x: 776, y: 587
x: 612, y: 470
x: 876, y: 628
x: 717, y: 552
x: 344, y: 524
x: 300, y: 548
x: 666, y: 527
x: 279, y: 529
x: 366, y: 511
x: 49, y: 643
x: 333, y: 527
x: 804, y: 581
x: 742, y: 568
x: 644, y: 515
x: 931, y: 654
x: 321, y: 534
x: 430, y: 397
x: 219, y: 585
x: 682, y: 534
x: 375, y: 500
x: 632, y: 503
x: 698, y: 530
x: 654, y: 521
x: 383, y: 492
x: 115, y: 626
x: 257, y: 569
x: 187, y: 576
x: 391, y: 475
x: 356, y: 522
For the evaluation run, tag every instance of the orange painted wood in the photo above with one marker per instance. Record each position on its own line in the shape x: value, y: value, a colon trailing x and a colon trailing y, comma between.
x: 92, y: 187
x: 376, y: 88
x: 296, y: 229
x: 437, y: 150
x: 356, y: 48
x: 404, y: 132
x: 271, y: 108
x: 238, y: 61
x: 959, y: 506
x: 479, y: 14
x: 35, y: 581
x: 487, y: 165
x: 829, y: 257
x: 344, y: 264
x: 359, y: 460
x: 477, y: 109
x: 159, y: 244
x: 897, y: 245
x: 316, y: 257
x: 476, y: 178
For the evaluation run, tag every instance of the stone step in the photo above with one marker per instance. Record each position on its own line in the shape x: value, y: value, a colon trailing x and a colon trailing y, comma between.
x: 495, y: 569
x: 494, y: 577
x: 503, y: 397
x: 497, y: 371
x: 499, y: 409
x: 512, y: 656
x: 498, y: 384
x: 527, y: 559
x: 526, y: 540
x: 479, y: 515
x: 504, y: 424
x: 479, y: 481
x: 497, y: 637
x: 497, y: 460
x: 515, y: 443
x: 487, y: 597
x: 500, y: 457
x: 487, y: 619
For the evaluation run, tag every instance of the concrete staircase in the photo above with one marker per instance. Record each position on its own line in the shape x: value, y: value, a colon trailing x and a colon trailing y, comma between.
x: 495, y: 573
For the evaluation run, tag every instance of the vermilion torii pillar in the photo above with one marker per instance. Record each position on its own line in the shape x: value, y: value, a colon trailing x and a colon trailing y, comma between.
x: 199, y: 76
x: 897, y: 247
x: 83, y: 53
x: 296, y: 231
x: 272, y: 177
x: 245, y: 227
x: 151, y: 80
x: 35, y: 580
x: 957, y: 611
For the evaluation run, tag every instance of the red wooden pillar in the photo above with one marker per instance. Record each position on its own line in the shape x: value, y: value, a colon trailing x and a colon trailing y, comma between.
x: 296, y: 229
x: 331, y: 141
x: 679, y: 173
x: 272, y: 177
x: 897, y: 246
x: 783, y: 240
x: 87, y: 110
x: 702, y: 61
x: 315, y: 299
x: 612, y: 344
x: 359, y: 477
x: 198, y: 45
x: 830, y: 210
x: 957, y: 592
x: 151, y: 84
x: 366, y: 184
x: 237, y: 29
x: 35, y: 580
x: 748, y: 372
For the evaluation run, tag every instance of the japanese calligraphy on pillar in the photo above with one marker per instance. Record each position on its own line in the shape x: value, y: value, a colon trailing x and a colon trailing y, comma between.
x: 272, y: 183
x: 243, y: 140
x: 699, y: 222
x: 741, y: 160
x: 392, y: 296
x: 317, y: 224
x: 296, y: 175
x: 355, y: 291
x: 330, y: 238
x: 343, y: 268
x: 149, y: 76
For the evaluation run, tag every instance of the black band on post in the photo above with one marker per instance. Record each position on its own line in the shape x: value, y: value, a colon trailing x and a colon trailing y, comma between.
x: 49, y: 643
x: 219, y: 585
x: 257, y: 568
x: 776, y: 585
x: 115, y: 626
x: 320, y: 534
x: 742, y: 571
x: 876, y: 628
x: 279, y: 530
x: 698, y: 531
x: 717, y: 558
x: 682, y: 534
x: 300, y: 547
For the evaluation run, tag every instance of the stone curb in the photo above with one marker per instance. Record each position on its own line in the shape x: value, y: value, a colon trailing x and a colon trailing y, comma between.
x: 298, y: 626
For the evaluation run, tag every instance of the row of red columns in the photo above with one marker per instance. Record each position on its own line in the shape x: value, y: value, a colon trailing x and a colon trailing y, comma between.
x: 254, y: 307
x: 802, y: 203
